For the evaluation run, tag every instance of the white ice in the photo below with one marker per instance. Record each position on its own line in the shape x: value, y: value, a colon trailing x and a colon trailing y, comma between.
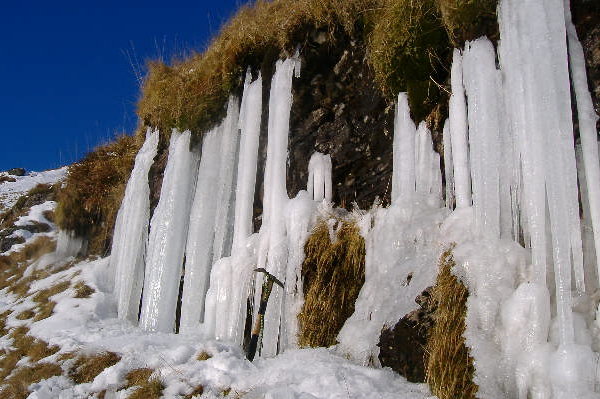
x: 131, y: 233
x: 168, y: 233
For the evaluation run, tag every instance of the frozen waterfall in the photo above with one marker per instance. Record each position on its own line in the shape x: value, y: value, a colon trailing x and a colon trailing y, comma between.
x: 131, y: 233
x: 168, y: 233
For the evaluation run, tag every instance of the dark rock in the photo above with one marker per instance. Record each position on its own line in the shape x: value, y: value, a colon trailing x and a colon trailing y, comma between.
x: 16, y: 172
x: 402, y: 348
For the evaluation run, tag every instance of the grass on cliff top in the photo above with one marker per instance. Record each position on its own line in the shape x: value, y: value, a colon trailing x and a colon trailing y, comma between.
x: 90, y: 199
x: 407, y: 39
x: 333, y: 273
x: 450, y: 368
x: 191, y: 93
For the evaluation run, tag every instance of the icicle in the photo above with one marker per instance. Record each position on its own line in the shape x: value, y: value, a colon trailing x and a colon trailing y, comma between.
x: 319, y: 177
x: 227, y: 175
x: 168, y: 232
x: 68, y: 244
x: 587, y: 130
x: 423, y: 160
x: 273, y: 251
x: 480, y: 80
x: 458, y: 132
x: 131, y: 233
x: 448, y: 166
x: 198, y: 254
x: 250, y: 116
x: 403, y: 179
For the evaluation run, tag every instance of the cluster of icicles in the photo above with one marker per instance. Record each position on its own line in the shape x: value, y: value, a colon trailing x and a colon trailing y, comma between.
x: 509, y: 156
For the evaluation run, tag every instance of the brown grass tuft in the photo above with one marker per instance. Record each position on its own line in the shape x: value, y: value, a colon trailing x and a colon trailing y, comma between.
x: 82, y: 290
x: 89, y: 202
x: 87, y: 367
x: 26, y: 314
x: 469, y: 19
x: 449, y: 367
x: 333, y: 274
x: 16, y: 386
x: 204, y: 355
x: 198, y: 391
x: 45, y: 306
x: 13, y: 266
x: 148, y: 387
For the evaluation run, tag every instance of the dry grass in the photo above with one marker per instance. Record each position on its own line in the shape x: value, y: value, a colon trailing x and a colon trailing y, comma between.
x: 87, y: 367
x: 149, y: 387
x: 13, y: 266
x: 15, y: 380
x: 449, y: 367
x: 89, y: 202
x: 191, y: 94
x: 45, y: 307
x: 16, y: 386
x: 333, y: 274
x: 35, y: 196
x: 469, y: 19
x: 82, y: 290
x: 25, y: 315
x: 204, y: 355
x: 197, y: 391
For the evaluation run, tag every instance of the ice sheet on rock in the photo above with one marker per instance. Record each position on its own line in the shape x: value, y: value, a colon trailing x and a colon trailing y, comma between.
x: 480, y: 81
x: 226, y: 183
x: 273, y: 244
x: 168, y: 233
x: 319, y: 177
x: 403, y: 175
x: 459, y: 133
x: 131, y: 233
x: 69, y: 244
x: 199, y: 245
x: 401, y: 262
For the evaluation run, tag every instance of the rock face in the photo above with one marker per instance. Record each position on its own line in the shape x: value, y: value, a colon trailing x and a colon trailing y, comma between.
x: 338, y: 110
x: 586, y: 17
x: 16, y: 172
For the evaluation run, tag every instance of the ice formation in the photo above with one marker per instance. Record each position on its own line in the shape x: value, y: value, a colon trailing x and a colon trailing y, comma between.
x: 272, y: 251
x: 198, y: 253
x: 131, y: 233
x: 403, y: 178
x: 168, y: 233
x: 319, y: 177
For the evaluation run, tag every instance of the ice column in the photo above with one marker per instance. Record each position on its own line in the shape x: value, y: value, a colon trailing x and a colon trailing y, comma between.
x: 168, y: 233
x: 587, y: 128
x: 403, y: 178
x: 273, y: 245
x: 250, y: 116
x: 448, y: 166
x: 225, y: 190
x: 131, y: 233
x: 319, y: 177
x: 198, y: 253
x: 459, y: 134
x: 480, y: 80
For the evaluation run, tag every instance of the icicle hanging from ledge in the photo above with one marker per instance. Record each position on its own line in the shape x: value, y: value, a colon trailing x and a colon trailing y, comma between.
x: 131, y: 233
x: 198, y: 253
x: 272, y: 253
x: 168, y: 232
x: 319, y: 177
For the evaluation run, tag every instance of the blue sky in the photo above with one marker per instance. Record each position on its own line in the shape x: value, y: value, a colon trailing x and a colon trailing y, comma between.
x: 67, y: 80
